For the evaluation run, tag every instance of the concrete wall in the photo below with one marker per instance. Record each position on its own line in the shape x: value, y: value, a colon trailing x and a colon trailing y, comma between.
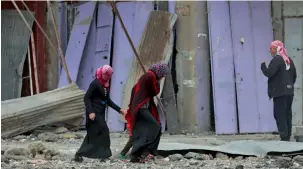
x: 281, y: 10
x: 288, y: 27
x: 192, y: 66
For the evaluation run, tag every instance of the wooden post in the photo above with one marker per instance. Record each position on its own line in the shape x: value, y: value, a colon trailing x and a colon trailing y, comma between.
x: 35, y: 64
x: 40, y: 27
x: 59, y: 43
x: 30, y: 70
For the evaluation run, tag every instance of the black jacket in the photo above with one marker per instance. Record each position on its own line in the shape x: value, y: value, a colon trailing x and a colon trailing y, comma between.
x: 280, y: 81
x: 95, y: 95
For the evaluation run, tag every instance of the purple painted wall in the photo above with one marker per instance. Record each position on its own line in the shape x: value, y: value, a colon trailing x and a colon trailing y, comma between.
x: 134, y: 15
x: 62, y: 28
x: 222, y: 67
x: 247, y: 27
x: 104, y: 34
x: 86, y: 70
x: 98, y: 45
x: 171, y: 6
x: 241, y: 26
x: 262, y: 35
x: 249, y: 23
x: 77, y: 41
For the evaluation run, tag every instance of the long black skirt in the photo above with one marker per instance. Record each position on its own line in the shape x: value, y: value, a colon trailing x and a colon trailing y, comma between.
x: 146, y: 134
x: 96, y: 143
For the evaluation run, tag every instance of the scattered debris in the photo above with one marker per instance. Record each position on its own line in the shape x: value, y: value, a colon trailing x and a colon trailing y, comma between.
x: 298, y: 159
x: 49, y: 137
x: 175, y: 157
x: 36, y: 148
x: 221, y: 156
x: 61, y: 130
x: 58, y: 154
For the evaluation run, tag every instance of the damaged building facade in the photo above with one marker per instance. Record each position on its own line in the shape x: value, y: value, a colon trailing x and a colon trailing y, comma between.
x: 214, y: 50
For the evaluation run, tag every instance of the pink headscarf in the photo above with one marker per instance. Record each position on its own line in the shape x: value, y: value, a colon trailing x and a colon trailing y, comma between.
x: 281, y: 51
x: 104, y: 74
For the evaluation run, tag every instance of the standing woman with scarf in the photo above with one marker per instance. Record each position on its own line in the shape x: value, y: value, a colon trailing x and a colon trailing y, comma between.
x: 144, y: 118
x: 281, y: 73
x: 96, y: 143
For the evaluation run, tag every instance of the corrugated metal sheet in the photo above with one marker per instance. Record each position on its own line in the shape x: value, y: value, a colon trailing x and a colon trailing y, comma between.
x: 15, y: 38
x: 154, y: 47
x: 27, y: 113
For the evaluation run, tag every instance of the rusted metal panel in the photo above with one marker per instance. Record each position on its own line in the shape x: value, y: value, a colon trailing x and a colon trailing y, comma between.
x: 15, y: 38
x: 294, y: 46
x: 39, y: 8
x: 154, y: 47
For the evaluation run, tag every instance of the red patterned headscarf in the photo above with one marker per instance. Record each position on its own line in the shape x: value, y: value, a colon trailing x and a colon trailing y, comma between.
x: 281, y: 51
x: 104, y: 74
x: 160, y: 69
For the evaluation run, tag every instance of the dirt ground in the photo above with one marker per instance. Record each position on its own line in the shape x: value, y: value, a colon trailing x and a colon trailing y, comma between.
x: 60, y: 147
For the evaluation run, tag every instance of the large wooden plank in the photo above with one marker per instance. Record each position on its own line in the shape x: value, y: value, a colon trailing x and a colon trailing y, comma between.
x: 262, y: 31
x: 294, y: 45
x: 134, y: 15
x: 154, y: 47
x: 77, y: 41
x: 222, y: 66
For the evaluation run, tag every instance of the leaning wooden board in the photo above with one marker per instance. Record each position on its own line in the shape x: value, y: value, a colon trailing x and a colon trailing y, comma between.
x: 155, y: 47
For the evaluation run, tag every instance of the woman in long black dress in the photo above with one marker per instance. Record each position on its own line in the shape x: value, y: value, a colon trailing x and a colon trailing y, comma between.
x: 96, y: 143
x: 145, y: 122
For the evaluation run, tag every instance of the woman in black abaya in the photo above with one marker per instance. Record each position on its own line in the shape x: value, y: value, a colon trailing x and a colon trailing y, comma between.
x: 96, y: 143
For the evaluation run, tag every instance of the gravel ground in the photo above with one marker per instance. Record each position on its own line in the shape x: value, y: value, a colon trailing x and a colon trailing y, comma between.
x: 55, y: 150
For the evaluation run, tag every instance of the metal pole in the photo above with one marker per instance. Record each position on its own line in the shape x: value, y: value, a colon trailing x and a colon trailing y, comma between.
x: 30, y: 70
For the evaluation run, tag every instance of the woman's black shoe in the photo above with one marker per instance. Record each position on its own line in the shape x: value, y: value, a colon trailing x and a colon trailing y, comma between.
x: 135, y: 159
x: 103, y: 160
x: 78, y: 158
